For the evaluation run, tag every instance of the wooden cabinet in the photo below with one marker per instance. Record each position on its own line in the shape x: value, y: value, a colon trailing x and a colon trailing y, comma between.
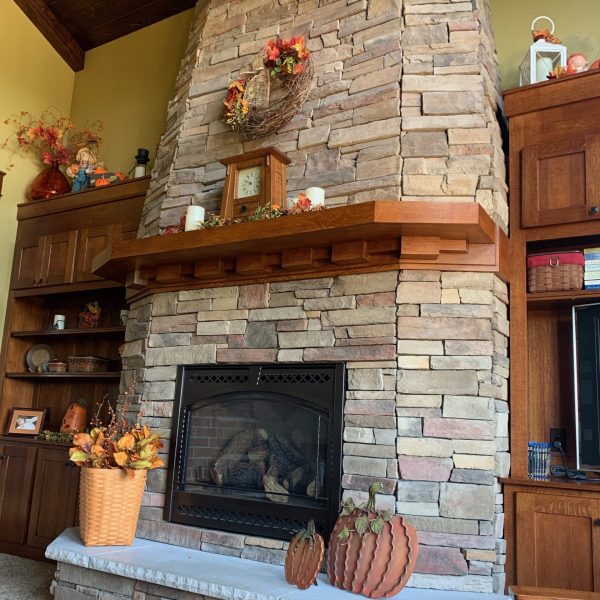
x: 560, y: 181
x: 54, y: 498
x: 16, y: 477
x: 47, y: 260
x: 57, y: 240
x: 554, y: 159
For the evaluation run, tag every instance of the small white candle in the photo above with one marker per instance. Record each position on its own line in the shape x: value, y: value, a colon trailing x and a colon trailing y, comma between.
x: 59, y: 322
x: 316, y: 195
x: 193, y: 216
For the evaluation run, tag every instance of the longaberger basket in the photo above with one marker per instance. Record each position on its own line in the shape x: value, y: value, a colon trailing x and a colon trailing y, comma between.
x: 109, y: 506
x: 555, y: 272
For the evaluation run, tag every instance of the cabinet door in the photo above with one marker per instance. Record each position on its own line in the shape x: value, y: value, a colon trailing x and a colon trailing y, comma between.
x: 54, y: 503
x: 92, y: 241
x: 16, y: 479
x: 58, y: 260
x: 558, y: 541
x: 27, y: 264
x: 560, y: 181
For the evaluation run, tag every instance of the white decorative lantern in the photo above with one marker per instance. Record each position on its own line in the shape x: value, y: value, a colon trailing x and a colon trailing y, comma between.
x: 542, y: 58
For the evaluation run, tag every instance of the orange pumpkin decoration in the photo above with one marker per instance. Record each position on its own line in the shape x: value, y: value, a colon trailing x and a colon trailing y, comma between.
x: 304, y: 557
x: 75, y: 418
x: 371, y: 552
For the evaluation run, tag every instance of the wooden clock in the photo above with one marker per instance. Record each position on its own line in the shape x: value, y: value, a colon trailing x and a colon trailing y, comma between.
x: 254, y: 179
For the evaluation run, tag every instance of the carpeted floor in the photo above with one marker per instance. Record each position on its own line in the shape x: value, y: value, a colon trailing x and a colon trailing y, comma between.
x: 24, y: 579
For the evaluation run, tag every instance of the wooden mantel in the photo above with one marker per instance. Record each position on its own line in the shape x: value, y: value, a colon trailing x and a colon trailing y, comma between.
x: 372, y: 236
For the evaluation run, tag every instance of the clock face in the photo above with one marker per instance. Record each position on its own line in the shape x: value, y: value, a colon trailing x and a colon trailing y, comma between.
x: 248, y: 182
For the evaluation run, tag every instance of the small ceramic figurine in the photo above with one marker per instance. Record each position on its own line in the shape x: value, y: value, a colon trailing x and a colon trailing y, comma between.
x: 90, y: 315
x: 81, y: 171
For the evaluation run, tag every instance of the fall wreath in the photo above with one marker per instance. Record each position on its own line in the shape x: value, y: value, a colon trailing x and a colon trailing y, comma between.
x: 270, y: 92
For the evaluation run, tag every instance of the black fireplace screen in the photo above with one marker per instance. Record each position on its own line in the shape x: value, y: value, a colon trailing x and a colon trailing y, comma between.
x: 257, y: 448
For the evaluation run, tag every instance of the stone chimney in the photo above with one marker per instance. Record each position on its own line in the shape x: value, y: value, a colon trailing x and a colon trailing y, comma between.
x: 403, y: 108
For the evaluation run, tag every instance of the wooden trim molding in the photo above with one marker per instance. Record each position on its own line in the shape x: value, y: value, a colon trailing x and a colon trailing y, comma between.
x: 372, y: 236
x: 54, y: 31
x: 518, y: 592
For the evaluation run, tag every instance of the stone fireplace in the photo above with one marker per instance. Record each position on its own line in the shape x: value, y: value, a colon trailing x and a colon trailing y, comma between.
x: 403, y: 109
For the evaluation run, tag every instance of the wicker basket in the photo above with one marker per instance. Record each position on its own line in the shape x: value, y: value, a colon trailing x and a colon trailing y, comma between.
x: 109, y: 506
x: 555, y: 272
x: 87, y: 364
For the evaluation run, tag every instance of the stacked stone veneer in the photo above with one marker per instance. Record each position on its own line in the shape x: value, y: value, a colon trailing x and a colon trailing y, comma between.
x: 425, y: 409
x: 403, y: 108
x: 403, y: 105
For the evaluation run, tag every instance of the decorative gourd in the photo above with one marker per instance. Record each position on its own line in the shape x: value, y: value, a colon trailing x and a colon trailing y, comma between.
x: 75, y: 418
x: 304, y: 557
x: 371, y: 552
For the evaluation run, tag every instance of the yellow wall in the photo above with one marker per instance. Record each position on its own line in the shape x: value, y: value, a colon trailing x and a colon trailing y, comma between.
x: 512, y: 20
x: 127, y: 84
x: 32, y: 77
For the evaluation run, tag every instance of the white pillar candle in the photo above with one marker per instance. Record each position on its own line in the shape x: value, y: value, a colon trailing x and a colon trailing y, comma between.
x: 193, y: 216
x: 59, y: 322
x: 316, y: 195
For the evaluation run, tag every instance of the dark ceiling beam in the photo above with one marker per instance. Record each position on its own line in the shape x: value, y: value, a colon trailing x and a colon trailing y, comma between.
x: 54, y: 31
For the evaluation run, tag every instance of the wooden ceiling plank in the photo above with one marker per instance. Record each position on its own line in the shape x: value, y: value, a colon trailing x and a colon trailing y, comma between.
x: 54, y: 31
x: 117, y: 24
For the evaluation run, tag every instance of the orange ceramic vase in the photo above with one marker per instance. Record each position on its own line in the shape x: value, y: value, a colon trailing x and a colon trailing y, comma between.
x: 47, y: 183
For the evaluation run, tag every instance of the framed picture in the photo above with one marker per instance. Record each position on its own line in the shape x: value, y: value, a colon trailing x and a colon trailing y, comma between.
x: 26, y: 421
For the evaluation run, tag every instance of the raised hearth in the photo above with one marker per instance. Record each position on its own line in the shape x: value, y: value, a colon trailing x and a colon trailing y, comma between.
x: 257, y: 448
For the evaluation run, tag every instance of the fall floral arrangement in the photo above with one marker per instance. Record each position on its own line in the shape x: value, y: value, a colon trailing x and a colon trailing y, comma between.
x: 268, y: 211
x: 51, y: 136
x: 247, y: 107
x: 117, y: 445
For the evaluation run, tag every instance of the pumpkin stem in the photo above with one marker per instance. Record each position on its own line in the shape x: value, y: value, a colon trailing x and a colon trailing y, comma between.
x: 373, y: 489
x: 311, y: 528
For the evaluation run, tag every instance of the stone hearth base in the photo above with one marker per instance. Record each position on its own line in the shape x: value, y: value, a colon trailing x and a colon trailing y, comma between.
x: 155, y: 571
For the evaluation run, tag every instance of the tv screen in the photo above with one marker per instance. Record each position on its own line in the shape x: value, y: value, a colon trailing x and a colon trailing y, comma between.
x: 586, y: 356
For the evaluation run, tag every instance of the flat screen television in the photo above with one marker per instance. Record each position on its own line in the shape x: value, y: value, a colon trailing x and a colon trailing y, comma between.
x: 586, y: 363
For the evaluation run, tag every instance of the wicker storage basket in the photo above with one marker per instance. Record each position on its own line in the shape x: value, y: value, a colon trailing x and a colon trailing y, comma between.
x: 555, y: 272
x: 109, y: 506
x: 87, y: 364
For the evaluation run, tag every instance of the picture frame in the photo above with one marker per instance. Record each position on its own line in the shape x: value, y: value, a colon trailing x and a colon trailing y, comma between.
x: 25, y: 421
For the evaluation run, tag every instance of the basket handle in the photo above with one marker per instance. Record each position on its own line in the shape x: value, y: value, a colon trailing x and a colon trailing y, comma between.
x: 547, y: 19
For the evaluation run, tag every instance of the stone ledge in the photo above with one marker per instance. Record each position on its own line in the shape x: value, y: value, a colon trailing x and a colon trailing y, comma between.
x: 213, y: 575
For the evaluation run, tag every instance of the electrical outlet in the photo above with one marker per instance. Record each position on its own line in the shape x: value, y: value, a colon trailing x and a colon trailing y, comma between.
x: 559, y: 435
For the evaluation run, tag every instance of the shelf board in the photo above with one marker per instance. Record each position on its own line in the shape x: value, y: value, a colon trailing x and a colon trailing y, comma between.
x: 370, y: 236
x: 560, y: 483
x: 562, y: 299
x: 108, y: 375
x: 70, y: 332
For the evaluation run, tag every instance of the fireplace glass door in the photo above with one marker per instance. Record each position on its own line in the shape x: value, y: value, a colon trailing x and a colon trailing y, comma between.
x: 257, y: 448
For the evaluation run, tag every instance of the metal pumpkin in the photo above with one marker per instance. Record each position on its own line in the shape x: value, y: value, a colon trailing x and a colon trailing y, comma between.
x: 371, y: 552
x: 304, y: 557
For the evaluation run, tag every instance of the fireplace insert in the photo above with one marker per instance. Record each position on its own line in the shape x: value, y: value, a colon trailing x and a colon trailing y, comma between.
x: 256, y: 449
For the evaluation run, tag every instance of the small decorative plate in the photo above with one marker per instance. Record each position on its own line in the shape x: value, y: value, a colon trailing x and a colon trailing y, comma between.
x: 38, y: 356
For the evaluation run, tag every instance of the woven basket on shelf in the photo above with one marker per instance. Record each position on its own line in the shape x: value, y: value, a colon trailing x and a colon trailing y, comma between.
x: 555, y: 272
x: 87, y: 364
x: 109, y: 506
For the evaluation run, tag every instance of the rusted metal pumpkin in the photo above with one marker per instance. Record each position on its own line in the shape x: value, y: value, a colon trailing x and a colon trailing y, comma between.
x: 371, y: 552
x: 304, y: 557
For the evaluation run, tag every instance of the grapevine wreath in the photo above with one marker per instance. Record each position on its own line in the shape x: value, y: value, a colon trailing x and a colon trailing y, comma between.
x: 272, y: 90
